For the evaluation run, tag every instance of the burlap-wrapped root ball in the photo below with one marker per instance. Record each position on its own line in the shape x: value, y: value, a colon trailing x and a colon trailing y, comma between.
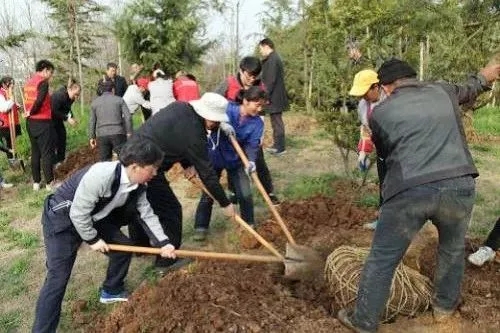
x: 410, y: 290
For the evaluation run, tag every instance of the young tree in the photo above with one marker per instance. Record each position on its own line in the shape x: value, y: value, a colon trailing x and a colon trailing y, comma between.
x: 170, y: 32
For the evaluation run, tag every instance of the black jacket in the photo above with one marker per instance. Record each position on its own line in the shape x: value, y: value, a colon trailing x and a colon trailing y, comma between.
x: 419, y: 134
x: 120, y: 86
x: 180, y: 132
x: 60, y: 105
x: 273, y: 76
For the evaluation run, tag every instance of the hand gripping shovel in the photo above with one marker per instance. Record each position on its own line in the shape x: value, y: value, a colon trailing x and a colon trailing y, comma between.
x: 293, y: 250
x: 297, y: 266
x: 14, y: 162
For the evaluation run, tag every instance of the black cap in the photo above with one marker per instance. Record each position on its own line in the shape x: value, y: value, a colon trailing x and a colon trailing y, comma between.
x: 395, y: 69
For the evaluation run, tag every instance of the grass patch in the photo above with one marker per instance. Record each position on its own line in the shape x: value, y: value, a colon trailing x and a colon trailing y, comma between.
x: 16, y: 238
x: 306, y: 187
x: 13, y: 278
x: 10, y: 321
x: 297, y: 142
x: 487, y: 121
x: 369, y: 200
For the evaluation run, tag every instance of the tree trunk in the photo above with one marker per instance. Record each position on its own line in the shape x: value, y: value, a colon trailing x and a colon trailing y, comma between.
x: 310, y: 88
x: 421, y: 70
x: 79, y: 57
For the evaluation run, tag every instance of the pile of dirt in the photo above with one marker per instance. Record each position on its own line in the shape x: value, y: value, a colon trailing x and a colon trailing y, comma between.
x: 236, y: 297
x: 76, y: 160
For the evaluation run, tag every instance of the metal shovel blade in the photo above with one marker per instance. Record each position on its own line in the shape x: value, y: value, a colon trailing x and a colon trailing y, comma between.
x: 302, y: 263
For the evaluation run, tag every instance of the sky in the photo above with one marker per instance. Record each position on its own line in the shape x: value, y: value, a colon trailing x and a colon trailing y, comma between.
x: 250, y: 29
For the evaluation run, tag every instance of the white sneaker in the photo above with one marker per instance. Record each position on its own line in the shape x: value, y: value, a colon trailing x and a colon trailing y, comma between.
x: 481, y: 256
x: 3, y: 184
x: 36, y: 186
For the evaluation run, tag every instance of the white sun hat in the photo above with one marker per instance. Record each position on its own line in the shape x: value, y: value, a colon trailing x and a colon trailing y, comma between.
x: 211, y: 106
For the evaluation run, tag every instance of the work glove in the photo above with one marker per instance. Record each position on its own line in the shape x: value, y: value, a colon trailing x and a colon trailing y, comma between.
x: 227, y: 129
x: 250, y: 167
x: 100, y: 246
x: 363, y: 161
x: 168, y: 251
x: 229, y: 211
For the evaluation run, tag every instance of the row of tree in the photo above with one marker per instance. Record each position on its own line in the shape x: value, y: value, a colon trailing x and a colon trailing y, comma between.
x: 443, y: 39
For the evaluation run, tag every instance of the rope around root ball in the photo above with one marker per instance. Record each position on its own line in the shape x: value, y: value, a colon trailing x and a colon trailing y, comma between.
x: 410, y: 291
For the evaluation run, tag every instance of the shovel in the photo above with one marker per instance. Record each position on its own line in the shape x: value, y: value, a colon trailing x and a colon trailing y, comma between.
x: 299, y: 261
x: 293, y: 250
x: 292, y: 267
x: 14, y: 162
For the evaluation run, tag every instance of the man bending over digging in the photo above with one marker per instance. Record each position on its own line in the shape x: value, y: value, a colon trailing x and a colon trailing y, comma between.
x: 90, y: 207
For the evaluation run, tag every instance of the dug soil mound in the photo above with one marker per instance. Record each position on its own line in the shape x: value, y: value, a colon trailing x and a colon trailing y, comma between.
x: 236, y: 297
x: 76, y: 160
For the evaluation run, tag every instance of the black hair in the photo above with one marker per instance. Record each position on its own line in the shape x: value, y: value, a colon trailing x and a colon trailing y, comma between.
x: 252, y: 94
x: 106, y: 85
x: 251, y: 65
x: 7, y: 80
x: 111, y: 65
x: 268, y: 42
x: 44, y: 64
x: 141, y: 151
x: 191, y: 77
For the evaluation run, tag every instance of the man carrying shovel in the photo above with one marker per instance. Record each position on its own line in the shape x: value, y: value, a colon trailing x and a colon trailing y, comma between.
x: 180, y: 130
x: 91, y: 206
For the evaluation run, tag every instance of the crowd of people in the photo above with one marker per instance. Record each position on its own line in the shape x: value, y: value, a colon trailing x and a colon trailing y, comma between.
x: 424, y: 166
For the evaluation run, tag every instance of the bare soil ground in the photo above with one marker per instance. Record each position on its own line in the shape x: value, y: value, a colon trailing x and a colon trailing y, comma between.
x: 234, y: 297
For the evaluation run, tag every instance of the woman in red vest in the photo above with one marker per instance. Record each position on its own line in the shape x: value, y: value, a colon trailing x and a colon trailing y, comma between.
x: 7, y: 105
x: 39, y: 124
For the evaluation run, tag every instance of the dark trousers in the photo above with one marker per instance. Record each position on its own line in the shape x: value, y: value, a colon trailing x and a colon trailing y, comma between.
x: 493, y: 240
x: 109, y: 143
x: 60, y: 137
x: 169, y: 211
x: 381, y: 171
x: 243, y: 192
x: 61, y: 249
x: 263, y: 172
x: 448, y: 204
x: 146, y: 113
x: 278, y: 131
x: 42, y: 139
x: 5, y: 138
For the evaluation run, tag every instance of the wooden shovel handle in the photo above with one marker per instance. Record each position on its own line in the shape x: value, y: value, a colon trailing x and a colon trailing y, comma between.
x: 242, y: 223
x: 262, y: 191
x: 196, y: 254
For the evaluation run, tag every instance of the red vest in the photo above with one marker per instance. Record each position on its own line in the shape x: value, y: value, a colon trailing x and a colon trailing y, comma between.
x: 186, y: 90
x: 233, y: 88
x: 30, y: 94
x: 4, y: 117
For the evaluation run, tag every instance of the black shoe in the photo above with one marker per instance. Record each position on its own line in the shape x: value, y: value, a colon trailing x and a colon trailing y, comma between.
x: 179, y: 263
x: 343, y: 317
x: 274, y: 199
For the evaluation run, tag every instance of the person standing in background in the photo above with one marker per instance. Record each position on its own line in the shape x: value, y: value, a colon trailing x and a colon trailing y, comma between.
x: 61, y: 102
x: 185, y: 88
x: 161, y: 91
x: 110, y: 122
x: 119, y: 81
x: 273, y: 76
x: 39, y: 124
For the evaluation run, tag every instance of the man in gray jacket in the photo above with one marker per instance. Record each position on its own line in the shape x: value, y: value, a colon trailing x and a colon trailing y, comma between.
x: 110, y: 122
x: 91, y: 206
x: 430, y: 175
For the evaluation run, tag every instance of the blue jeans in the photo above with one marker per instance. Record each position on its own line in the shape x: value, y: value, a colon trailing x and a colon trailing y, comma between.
x: 239, y: 179
x: 448, y: 204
